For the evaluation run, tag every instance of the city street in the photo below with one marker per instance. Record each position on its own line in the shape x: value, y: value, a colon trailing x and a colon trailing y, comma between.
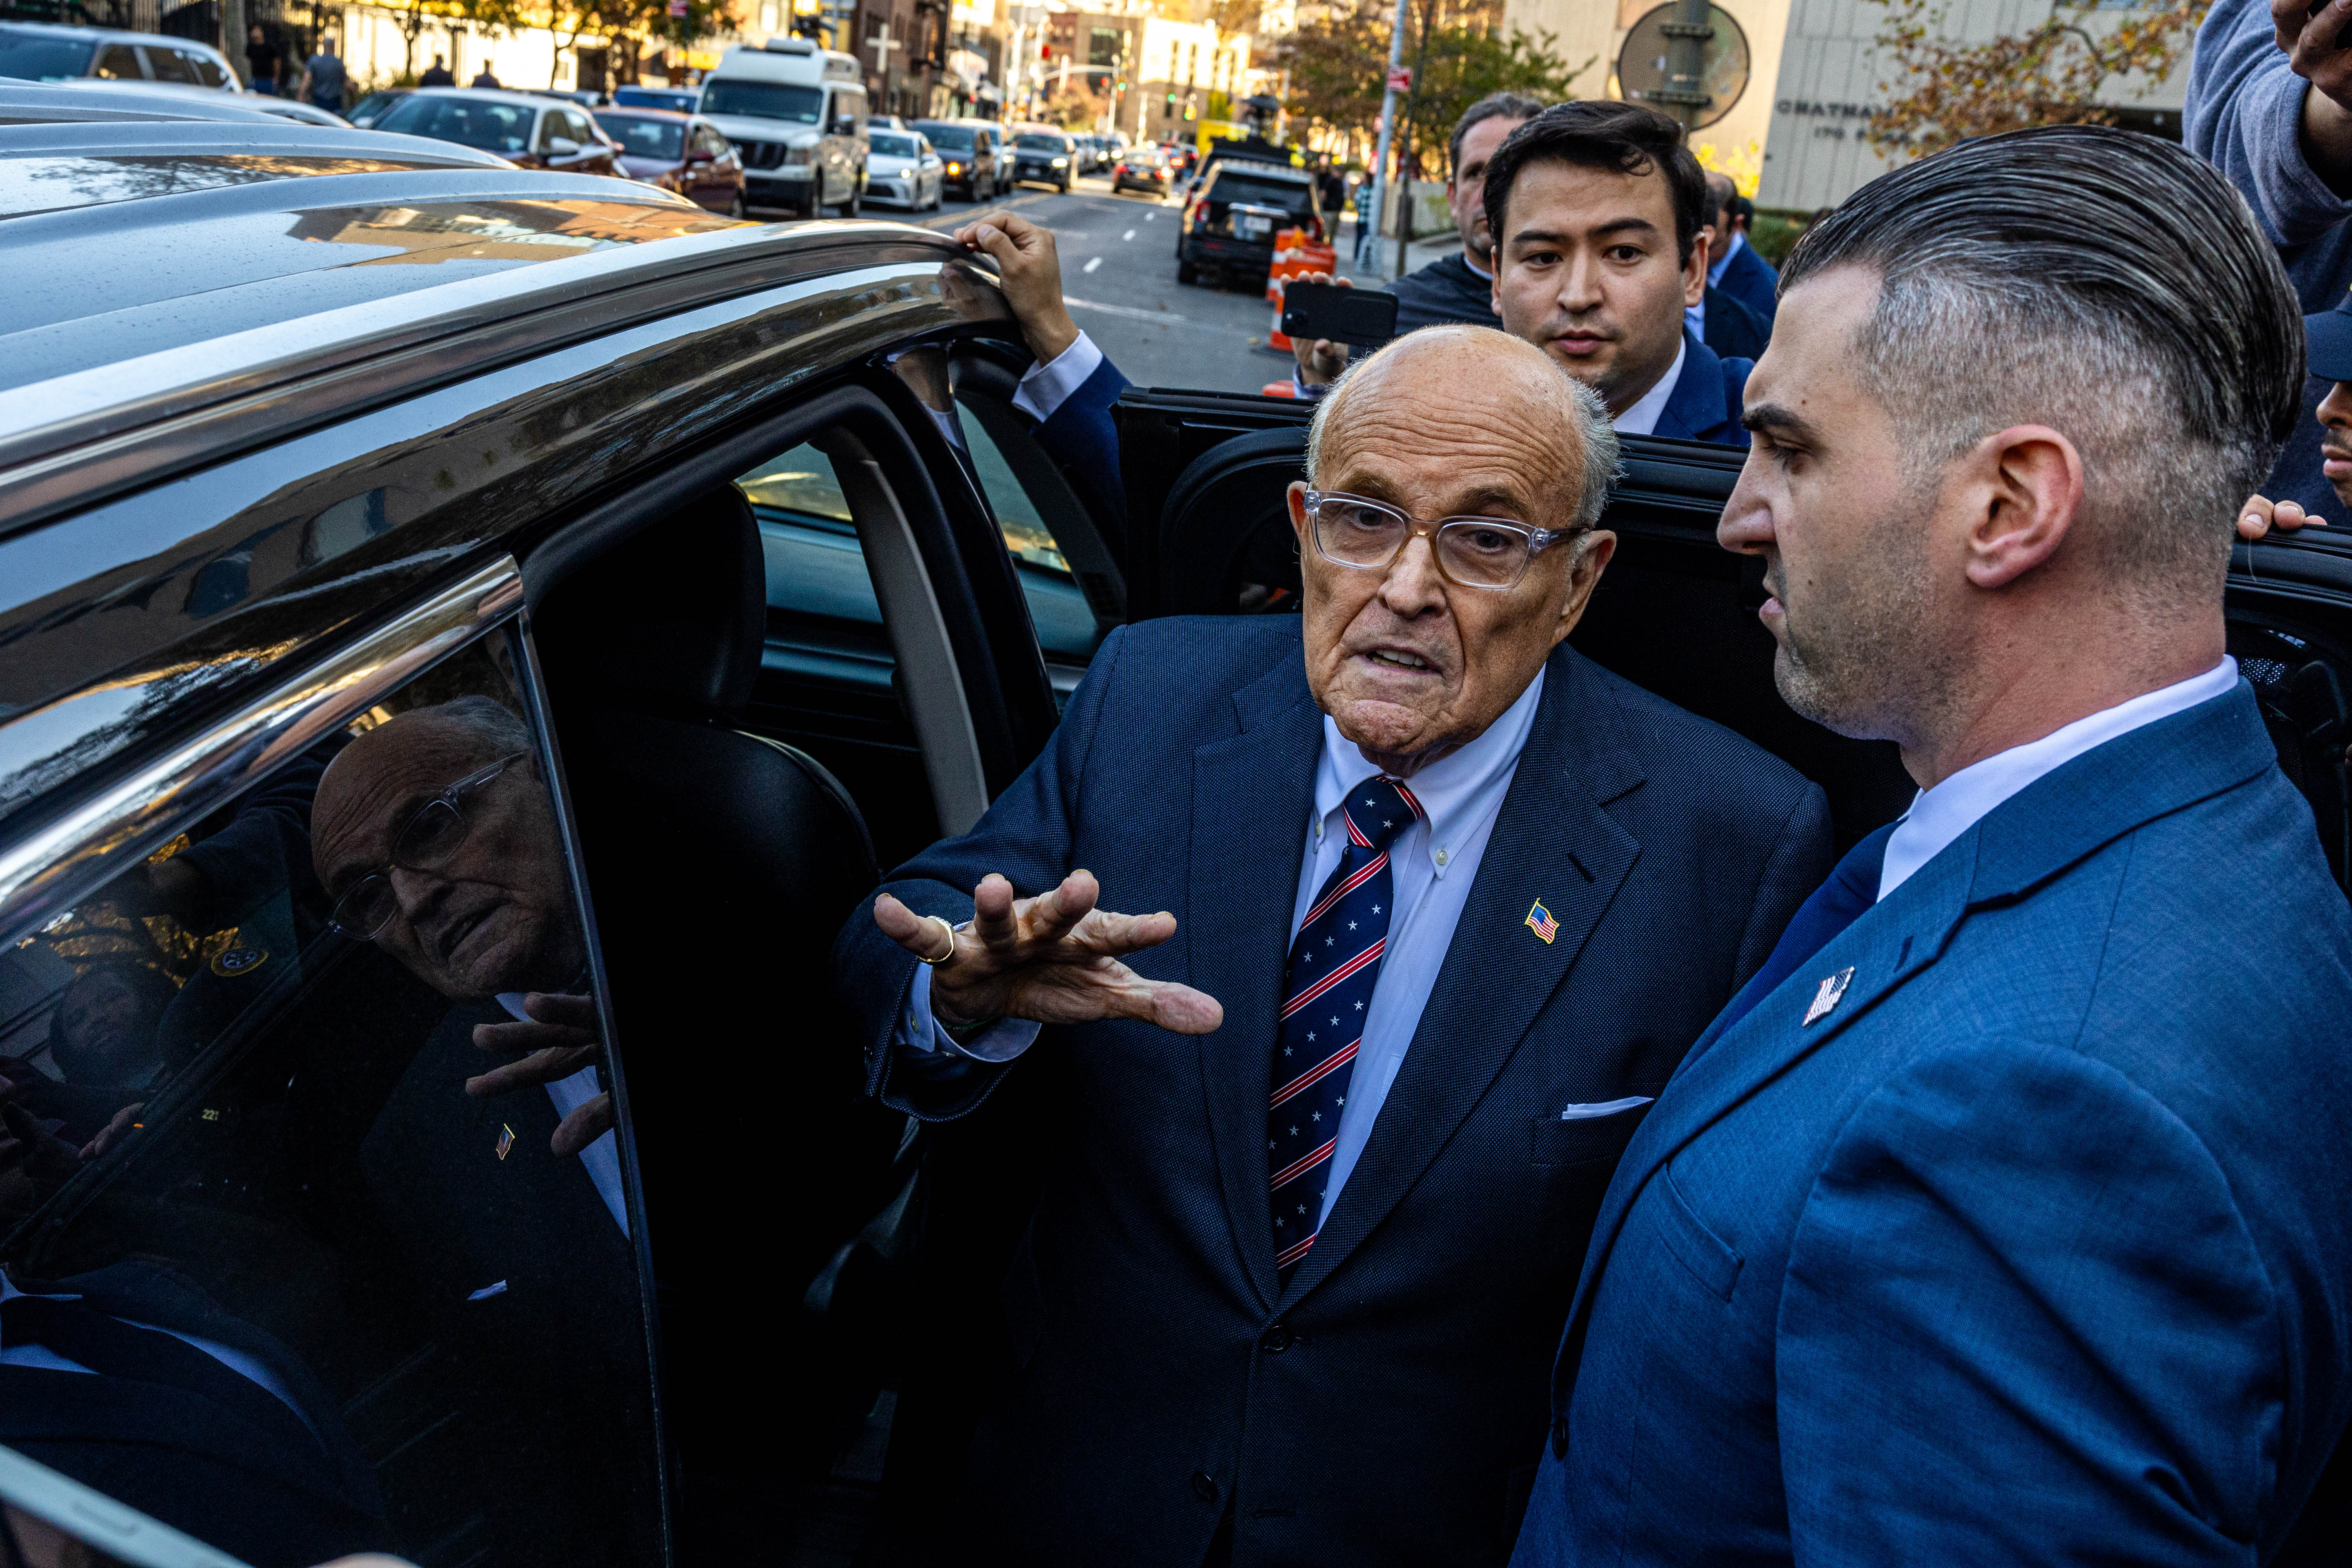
x: 1119, y: 273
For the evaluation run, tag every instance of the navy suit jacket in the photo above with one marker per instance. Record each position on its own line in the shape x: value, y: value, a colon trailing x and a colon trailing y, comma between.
x: 2034, y: 1247
x: 1376, y: 1407
x: 1735, y: 329
x: 1751, y: 280
x: 1704, y: 403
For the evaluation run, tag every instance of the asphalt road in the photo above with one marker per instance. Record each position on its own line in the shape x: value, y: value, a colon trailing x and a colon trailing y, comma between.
x: 1118, y: 274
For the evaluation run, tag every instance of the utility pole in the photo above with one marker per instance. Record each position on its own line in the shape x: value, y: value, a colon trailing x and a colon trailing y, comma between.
x: 1685, y: 96
x: 1388, y: 125
x: 233, y: 28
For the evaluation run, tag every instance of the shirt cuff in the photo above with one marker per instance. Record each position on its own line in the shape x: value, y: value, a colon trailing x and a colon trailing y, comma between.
x: 920, y: 1032
x: 1046, y: 387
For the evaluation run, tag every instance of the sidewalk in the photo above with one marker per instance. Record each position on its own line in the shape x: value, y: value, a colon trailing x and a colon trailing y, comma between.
x: 1419, y: 253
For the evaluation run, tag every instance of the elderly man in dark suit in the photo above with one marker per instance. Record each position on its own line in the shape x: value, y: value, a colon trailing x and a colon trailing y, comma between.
x: 1438, y: 903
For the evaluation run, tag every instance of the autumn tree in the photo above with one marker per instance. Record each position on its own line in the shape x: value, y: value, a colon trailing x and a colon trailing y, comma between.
x: 2052, y: 73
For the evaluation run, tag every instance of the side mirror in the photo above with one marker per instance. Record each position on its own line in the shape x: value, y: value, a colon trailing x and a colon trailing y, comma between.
x: 844, y: 125
x: 562, y: 146
x: 365, y: 121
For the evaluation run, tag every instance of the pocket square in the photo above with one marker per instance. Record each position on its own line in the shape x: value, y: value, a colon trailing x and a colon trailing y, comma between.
x: 1603, y: 1107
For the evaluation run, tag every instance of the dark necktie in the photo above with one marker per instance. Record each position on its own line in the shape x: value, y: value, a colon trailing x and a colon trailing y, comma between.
x: 1836, y: 904
x: 1327, y: 987
x: 113, y: 1348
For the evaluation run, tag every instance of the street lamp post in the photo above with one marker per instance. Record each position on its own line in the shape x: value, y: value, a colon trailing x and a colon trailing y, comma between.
x: 1685, y: 95
x: 1388, y: 126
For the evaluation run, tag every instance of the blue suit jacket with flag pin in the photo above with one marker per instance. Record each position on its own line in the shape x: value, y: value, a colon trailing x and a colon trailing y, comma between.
x: 1386, y: 1403
x: 2012, y: 1226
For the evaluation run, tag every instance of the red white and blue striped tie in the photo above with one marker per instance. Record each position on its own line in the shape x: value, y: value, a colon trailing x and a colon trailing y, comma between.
x: 1326, y: 991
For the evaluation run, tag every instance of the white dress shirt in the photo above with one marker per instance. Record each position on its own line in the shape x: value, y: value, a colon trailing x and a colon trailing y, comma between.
x: 1940, y: 815
x: 1431, y: 866
x: 1641, y: 419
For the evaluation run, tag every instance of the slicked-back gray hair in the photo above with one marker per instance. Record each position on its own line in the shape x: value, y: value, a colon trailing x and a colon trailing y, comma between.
x: 1580, y: 407
x: 489, y: 726
x: 1515, y: 106
x: 2102, y: 282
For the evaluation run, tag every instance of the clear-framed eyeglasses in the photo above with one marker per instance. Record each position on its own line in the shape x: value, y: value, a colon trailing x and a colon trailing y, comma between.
x: 425, y: 843
x: 1470, y: 552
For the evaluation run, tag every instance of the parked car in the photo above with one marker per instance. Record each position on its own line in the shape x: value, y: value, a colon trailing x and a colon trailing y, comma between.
x: 681, y: 152
x: 283, y: 108
x: 797, y: 115
x: 901, y: 168
x: 372, y: 108
x: 38, y: 51
x: 586, y: 98
x: 679, y: 99
x: 967, y: 150
x: 526, y: 129
x: 738, y: 525
x: 1141, y: 169
x: 1233, y: 214
x: 1044, y: 157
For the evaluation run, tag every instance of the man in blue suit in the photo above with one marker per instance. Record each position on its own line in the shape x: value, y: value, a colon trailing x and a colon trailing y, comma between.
x: 1442, y: 903
x: 1733, y: 267
x: 2001, y: 1217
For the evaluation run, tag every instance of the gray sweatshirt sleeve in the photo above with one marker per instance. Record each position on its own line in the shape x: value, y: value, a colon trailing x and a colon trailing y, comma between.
x: 2245, y: 114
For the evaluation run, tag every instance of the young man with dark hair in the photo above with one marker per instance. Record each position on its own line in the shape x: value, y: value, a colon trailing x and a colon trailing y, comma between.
x: 1733, y: 267
x: 1598, y: 213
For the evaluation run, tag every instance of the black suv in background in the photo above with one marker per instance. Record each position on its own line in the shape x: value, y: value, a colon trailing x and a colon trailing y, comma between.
x: 1233, y: 215
x: 969, y: 148
x: 1046, y: 157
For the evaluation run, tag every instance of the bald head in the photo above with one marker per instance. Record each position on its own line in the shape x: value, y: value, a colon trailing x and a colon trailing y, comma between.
x: 1449, y: 425
x: 1491, y: 384
x: 1720, y: 194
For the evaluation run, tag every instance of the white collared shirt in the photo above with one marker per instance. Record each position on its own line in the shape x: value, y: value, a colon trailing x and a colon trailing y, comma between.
x: 1715, y: 268
x: 1941, y: 814
x: 1431, y: 866
x: 1045, y: 387
x: 1641, y: 419
x: 601, y: 1159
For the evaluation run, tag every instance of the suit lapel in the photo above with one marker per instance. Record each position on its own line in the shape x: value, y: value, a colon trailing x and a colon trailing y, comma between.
x: 1696, y: 401
x: 1252, y: 797
x: 1551, y: 841
x: 2045, y: 827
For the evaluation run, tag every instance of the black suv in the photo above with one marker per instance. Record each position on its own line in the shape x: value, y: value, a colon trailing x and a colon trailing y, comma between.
x: 968, y: 148
x: 1232, y: 218
x: 586, y: 606
x: 1044, y: 157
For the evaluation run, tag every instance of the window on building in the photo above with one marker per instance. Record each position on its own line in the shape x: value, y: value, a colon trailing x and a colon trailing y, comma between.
x: 1103, y: 45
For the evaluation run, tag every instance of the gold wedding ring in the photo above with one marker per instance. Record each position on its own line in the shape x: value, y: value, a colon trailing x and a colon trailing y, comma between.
x: 950, y: 952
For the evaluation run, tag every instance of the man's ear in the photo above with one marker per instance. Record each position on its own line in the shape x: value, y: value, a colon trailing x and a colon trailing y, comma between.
x: 1694, y: 269
x: 2023, y: 488
x: 1297, y: 500
x: 1593, y: 548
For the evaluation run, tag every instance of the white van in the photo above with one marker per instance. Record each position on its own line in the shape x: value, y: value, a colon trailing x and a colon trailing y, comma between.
x: 797, y: 114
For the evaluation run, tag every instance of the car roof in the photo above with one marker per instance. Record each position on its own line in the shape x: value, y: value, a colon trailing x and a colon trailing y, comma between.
x: 643, y: 111
x: 112, y: 34
x: 1262, y: 166
x: 113, y: 229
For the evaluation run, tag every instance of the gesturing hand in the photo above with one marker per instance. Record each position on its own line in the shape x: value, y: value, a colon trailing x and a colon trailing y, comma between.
x: 562, y: 1038
x: 1031, y: 270
x: 1053, y: 959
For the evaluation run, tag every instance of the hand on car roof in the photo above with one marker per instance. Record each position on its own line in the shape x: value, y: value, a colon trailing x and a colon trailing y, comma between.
x: 2260, y: 514
x: 1031, y: 270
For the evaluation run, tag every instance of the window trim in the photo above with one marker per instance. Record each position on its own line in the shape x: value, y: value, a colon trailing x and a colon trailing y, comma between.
x: 83, y: 848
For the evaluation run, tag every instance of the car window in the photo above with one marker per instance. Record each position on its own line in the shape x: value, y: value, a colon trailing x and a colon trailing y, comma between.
x: 36, y: 57
x: 763, y: 101
x: 892, y: 146
x: 643, y: 138
x: 118, y: 62
x: 576, y: 125
x: 248, y: 1109
x: 468, y: 122
x: 851, y: 101
x: 955, y: 136
x: 168, y: 65
x: 1034, y: 143
x: 710, y: 142
x: 1229, y: 184
x: 205, y: 69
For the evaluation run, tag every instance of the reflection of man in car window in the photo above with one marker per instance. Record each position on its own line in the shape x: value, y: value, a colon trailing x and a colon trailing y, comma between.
x: 437, y: 842
x: 104, y: 1029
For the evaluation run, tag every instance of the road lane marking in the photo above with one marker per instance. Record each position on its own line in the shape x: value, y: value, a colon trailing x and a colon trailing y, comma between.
x: 1128, y: 234
x: 1132, y: 313
x: 1090, y: 266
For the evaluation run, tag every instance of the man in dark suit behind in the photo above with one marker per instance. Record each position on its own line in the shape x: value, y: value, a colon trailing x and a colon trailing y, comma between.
x: 2001, y: 1219
x: 1292, y: 1284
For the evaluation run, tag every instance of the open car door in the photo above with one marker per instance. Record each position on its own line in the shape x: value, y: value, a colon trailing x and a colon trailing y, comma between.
x: 1209, y: 533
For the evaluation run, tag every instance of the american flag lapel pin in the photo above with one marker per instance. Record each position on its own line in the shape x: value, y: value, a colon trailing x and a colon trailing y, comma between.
x: 1539, y: 921
x: 506, y: 1140
x: 1832, y: 992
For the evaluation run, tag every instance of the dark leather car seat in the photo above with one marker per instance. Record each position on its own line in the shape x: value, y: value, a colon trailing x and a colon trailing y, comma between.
x: 720, y: 865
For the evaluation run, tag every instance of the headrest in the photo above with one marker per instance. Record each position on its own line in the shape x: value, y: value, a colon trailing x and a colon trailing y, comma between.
x: 671, y: 621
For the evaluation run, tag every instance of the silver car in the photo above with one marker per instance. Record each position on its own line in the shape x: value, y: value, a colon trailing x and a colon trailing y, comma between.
x: 901, y: 168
